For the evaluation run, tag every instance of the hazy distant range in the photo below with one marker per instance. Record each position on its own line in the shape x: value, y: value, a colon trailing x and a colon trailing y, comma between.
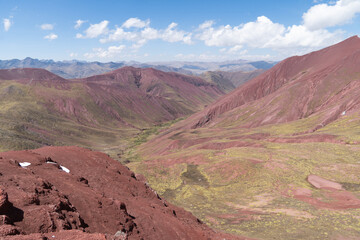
x: 80, y: 69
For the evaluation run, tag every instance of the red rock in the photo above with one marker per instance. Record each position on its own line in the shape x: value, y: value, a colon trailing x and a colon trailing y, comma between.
x: 3, y: 200
x: 6, y: 230
x: 48, y: 200
x: 320, y: 182
x: 62, y: 235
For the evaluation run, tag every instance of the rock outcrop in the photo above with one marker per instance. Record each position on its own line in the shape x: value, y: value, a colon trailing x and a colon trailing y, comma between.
x: 75, y: 193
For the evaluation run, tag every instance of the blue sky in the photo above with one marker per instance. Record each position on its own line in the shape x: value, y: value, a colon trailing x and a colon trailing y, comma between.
x: 160, y: 30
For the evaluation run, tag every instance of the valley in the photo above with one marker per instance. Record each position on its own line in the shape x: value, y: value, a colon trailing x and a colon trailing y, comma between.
x: 102, y: 112
x: 247, y: 163
x: 180, y: 120
x: 218, y: 153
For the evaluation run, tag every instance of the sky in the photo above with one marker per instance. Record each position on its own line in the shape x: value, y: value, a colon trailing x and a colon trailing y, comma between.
x: 169, y: 30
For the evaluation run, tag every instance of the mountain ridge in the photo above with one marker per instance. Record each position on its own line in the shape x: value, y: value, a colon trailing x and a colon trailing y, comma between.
x: 81, y: 69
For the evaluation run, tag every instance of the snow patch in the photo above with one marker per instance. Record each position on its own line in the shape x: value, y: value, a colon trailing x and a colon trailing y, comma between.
x: 24, y: 164
x: 65, y: 169
x: 343, y: 113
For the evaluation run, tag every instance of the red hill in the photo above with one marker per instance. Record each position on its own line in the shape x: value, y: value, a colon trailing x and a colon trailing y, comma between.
x: 32, y: 76
x: 296, y: 88
x: 40, y: 108
x: 70, y: 188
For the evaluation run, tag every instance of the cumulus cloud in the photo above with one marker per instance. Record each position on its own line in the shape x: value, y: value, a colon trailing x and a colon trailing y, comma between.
x: 327, y: 15
x: 142, y: 35
x: 47, y: 26
x: 263, y: 33
x: 136, y: 23
x: 51, y: 36
x: 206, y: 24
x: 171, y: 34
x: 255, y: 34
x: 110, y: 52
x: 298, y: 36
x: 79, y: 23
x: 95, y: 30
x: 7, y: 24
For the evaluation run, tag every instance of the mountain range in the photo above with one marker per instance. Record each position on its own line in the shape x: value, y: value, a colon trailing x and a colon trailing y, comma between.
x: 81, y: 69
x: 265, y: 154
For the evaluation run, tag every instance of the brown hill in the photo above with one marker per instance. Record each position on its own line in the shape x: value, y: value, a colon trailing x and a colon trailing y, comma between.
x: 33, y: 76
x: 38, y: 108
x: 149, y: 95
x: 47, y: 190
x: 296, y: 88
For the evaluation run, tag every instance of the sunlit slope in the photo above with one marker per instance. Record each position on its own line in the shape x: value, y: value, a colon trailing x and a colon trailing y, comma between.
x: 39, y: 108
x: 279, y: 162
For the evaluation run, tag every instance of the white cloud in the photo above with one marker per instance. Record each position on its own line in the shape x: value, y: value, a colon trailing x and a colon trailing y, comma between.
x: 136, y: 23
x: 119, y: 35
x: 79, y: 23
x: 326, y: 15
x: 7, y: 24
x: 51, y: 36
x: 298, y: 36
x: 72, y: 55
x: 95, y: 30
x: 206, y: 24
x: 254, y: 34
x: 141, y: 36
x: 110, y: 52
x: 235, y: 49
x: 173, y: 35
x: 263, y: 33
x: 149, y: 33
x: 47, y: 26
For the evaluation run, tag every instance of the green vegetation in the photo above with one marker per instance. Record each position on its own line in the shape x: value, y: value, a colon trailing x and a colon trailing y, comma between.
x: 250, y: 191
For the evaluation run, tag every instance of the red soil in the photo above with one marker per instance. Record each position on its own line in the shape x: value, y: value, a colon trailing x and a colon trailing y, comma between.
x: 306, y: 139
x: 131, y: 97
x: 152, y: 94
x: 225, y: 145
x: 322, y: 81
x: 98, y: 196
x: 34, y: 76
x: 333, y: 196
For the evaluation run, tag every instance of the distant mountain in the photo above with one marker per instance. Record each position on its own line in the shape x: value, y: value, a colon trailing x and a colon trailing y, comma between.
x: 228, y: 81
x: 80, y: 69
x: 228, y: 66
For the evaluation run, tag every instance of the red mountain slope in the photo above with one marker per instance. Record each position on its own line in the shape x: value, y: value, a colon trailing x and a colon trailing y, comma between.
x: 151, y: 95
x: 39, y: 108
x: 65, y: 188
x: 33, y: 76
x: 296, y: 88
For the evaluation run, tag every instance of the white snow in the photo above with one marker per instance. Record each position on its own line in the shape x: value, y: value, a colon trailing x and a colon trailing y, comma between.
x: 25, y: 164
x: 62, y: 167
x: 343, y: 113
x: 65, y: 169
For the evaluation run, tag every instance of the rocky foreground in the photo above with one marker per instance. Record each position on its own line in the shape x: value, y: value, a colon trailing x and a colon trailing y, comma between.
x: 75, y: 193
